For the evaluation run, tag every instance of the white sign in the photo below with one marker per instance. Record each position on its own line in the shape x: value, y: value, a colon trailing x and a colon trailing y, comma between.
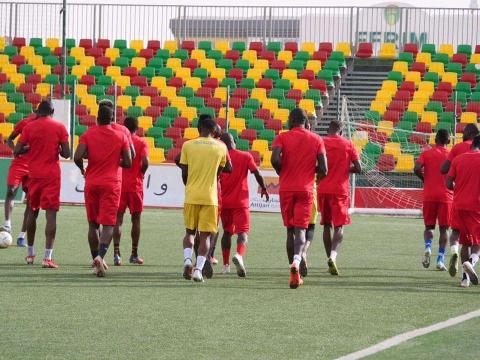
x: 62, y: 112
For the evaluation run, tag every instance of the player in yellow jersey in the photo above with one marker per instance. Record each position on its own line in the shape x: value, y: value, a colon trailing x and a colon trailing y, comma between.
x: 202, y: 159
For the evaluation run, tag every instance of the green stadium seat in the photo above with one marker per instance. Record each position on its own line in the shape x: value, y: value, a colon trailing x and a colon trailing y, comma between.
x: 243, y: 144
x: 122, y: 62
x: 247, y: 83
x: 200, y: 73
x: 132, y: 91
x: 268, y: 135
x: 51, y: 60
x: 475, y: 97
x: 155, y: 132
x: 181, y: 54
x: 148, y: 72
x: 106, y: 97
x: 436, y: 106
x: 334, y: 66
x: 205, y: 45
x: 396, y: 76
x: 461, y: 97
x: 8, y: 88
x: 196, y: 102
x: 340, y: 57
x: 274, y: 46
x: 52, y: 79
x: 405, y: 125
x: 410, y: 116
x: 70, y: 61
x: 163, y: 54
x: 43, y: 52
x: 239, y: 46
x: 80, y: 130
x: 163, y: 122
x: 289, y: 104
x: 165, y: 72
x: 171, y: 112
x: 164, y: 143
x: 326, y: 75
x: 226, y: 64
x: 16, y: 117
x: 35, y: 42
x: 245, y: 113
x: 24, y: 108
x: 104, y: 80
x: 194, y: 123
x: 96, y: 71
x: 242, y: 64
x: 272, y: 74
x: 369, y: 161
x: 372, y: 148
x: 229, y: 82
x: 134, y: 111
x: 206, y: 111
x: 283, y: 84
x: 400, y: 137
x: 445, y: 125
x: 70, y: 43
x: 215, y: 55
x: 26, y: 69
x: 464, y: 49
x: 234, y: 133
x: 431, y: 76
x: 429, y: 48
x: 10, y: 51
x: 97, y: 90
x: 313, y: 94
x: 464, y: 87
x: 454, y: 67
x: 186, y: 92
x: 406, y: 56
x: 298, y: 65
x: 302, y: 56
x: 372, y: 116
x: 256, y: 124
x: 472, y: 68
x: 156, y: 63
x: 447, y: 117
x: 441, y: 58
x: 120, y: 44
x: 278, y: 94
x: 253, y: 104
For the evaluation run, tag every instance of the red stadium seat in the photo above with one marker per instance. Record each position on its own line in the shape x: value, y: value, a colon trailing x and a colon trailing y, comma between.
x: 418, y: 139
x: 175, y: 82
x: 221, y: 122
x: 18, y: 60
x: 154, y: 45
x: 256, y: 45
x: 460, y: 58
x: 174, y: 133
x: 149, y: 91
x: 408, y: 86
x: 57, y: 70
x: 320, y: 55
x: 450, y: 107
x: 386, y: 162
x: 87, y: 80
x: 365, y: 50
x: 214, y: 103
x: 172, y: 154
x: 3, y: 78
x: 103, y: 43
x: 58, y: 52
x: 81, y: 110
x: 256, y: 157
x: 153, y: 111
x: 469, y: 77
x: 211, y: 83
x: 233, y: 55
x: 265, y: 84
x: 236, y: 74
x: 392, y: 115
x: 159, y: 101
x: 398, y: 105
x: 5, y: 150
x: 473, y: 107
x: 2, y: 120
x: 188, y: 45
x: 377, y: 137
x: 204, y: 92
x: 146, y: 53
x: 326, y: 47
x: 35, y: 99
x: 236, y: 103
x: 34, y: 79
x: 88, y: 120
x: 441, y: 96
x: 278, y: 65
x: 103, y: 61
x: 420, y: 67
x: 130, y: 71
x: 139, y: 81
x: 111, y: 91
x: 411, y: 48
x: 240, y: 93
x: 249, y: 134
x: 445, y: 86
x: 25, y: 88
x: 402, y: 95
x: 181, y: 123
x: 192, y: 64
x: 19, y: 42
x: 267, y: 55
x: 179, y: 142
x: 307, y: 75
x: 273, y: 124
x: 295, y: 94
x: 424, y: 127
x: 263, y: 114
x: 96, y: 52
x: 477, y: 49
x: 85, y: 43
x: 459, y: 129
x: 291, y: 46
x: 319, y: 85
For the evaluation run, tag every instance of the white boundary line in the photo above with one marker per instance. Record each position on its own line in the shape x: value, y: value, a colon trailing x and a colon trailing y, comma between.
x: 396, y: 340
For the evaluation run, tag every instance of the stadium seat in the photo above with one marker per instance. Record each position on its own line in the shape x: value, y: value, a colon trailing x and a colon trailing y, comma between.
x: 446, y: 49
x: 411, y: 48
x: 365, y: 50
x: 465, y: 118
x: 171, y: 46
x: 388, y: 51
x: 450, y: 77
x: 401, y: 67
x: 345, y: 48
x: 405, y: 163
x: 386, y: 163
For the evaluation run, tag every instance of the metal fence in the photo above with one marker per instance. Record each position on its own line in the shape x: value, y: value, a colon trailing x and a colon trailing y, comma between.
x: 316, y: 24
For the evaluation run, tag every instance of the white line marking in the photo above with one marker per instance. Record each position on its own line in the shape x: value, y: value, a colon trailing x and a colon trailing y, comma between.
x: 396, y: 340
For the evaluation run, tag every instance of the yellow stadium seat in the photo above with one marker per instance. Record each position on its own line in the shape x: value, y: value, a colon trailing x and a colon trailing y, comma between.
x: 93, y: 109
x: 314, y: 65
x: 27, y: 51
x: 149, y: 140
x: 254, y: 74
x: 431, y: 139
x: 405, y: 163
x: 384, y: 94
x: 475, y: 59
x: 222, y: 45
x: 437, y: 67
x: 446, y: 49
x: 427, y: 87
x: 6, y: 129
x: 52, y: 43
x: 208, y: 64
x: 223, y: 113
x: 414, y: 76
x: 388, y: 51
x: 468, y: 118
x: 17, y: 79
x: 171, y: 46
x: 9, y: 69
x: 88, y: 99
x: 43, y: 89
x: 308, y: 105
x: 198, y: 54
x: 221, y: 93
x: 378, y: 106
x: 112, y: 53
x: 301, y: 84
x: 35, y: 60
x: 391, y: 85
x: 385, y: 127
x: 218, y: 73
x: 281, y: 114
x: 289, y: 74
x: 4, y: 59
x: 113, y: 71
x: 285, y: 55
x: 145, y: 122
x: 183, y: 73
x: 7, y: 109
x: 159, y: 82
x: 139, y: 63
x: 417, y: 107
x: 169, y: 92
x: 262, y: 65
x: 81, y: 90
x: 267, y: 160
x: 3, y: 42
x: 400, y: 66
x: 122, y: 81
x: 189, y: 112
x: 250, y: 55
x: 124, y: 101
x: 450, y: 77
x: 421, y: 96
x: 308, y: 47
x: 260, y: 145
x: 76, y: 138
x: 430, y: 117
x: 425, y: 58
x: 191, y: 133
x: 259, y: 93
x: 87, y: 61
x: 345, y: 48
x: 194, y: 83
x: 174, y: 63
x: 237, y: 124
x: 137, y: 45
x: 3, y: 98
x: 143, y: 101
x: 78, y: 53
x: 360, y: 137
x: 79, y: 71
x: 392, y: 148
x: 270, y: 104
x: 179, y: 102
x: 156, y: 155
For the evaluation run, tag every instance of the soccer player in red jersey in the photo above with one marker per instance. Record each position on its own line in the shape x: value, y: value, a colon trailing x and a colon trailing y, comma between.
x: 132, y: 195
x: 296, y: 155
x: 17, y: 175
x: 44, y: 139
x: 334, y: 190
x: 463, y: 179
x: 437, y: 199
x: 469, y: 133
x: 235, y: 213
x: 108, y: 150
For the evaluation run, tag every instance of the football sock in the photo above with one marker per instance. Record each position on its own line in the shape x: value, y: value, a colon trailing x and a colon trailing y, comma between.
x: 135, y: 251
x: 116, y: 249
x: 241, y: 248
x: 187, y: 256
x: 226, y: 256
x: 8, y: 224
x: 48, y: 254
x: 22, y: 235
x: 200, y: 262
x: 296, y: 260
x: 473, y: 259
x: 103, y: 250
x: 31, y: 251
x: 428, y: 244
x: 441, y: 254
x: 333, y: 255
x: 94, y: 253
x: 464, y: 275
x: 454, y: 249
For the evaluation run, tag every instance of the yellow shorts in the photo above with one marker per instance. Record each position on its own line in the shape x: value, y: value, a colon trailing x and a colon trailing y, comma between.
x: 314, y: 214
x: 201, y: 217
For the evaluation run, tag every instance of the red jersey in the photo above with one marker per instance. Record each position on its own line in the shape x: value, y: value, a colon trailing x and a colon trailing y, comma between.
x: 459, y: 149
x: 464, y: 171
x: 104, y: 147
x: 123, y: 130
x: 340, y: 154
x: 219, y: 184
x: 22, y: 160
x: 132, y: 178
x: 235, y: 185
x: 300, y: 148
x: 44, y: 136
x: 434, y: 188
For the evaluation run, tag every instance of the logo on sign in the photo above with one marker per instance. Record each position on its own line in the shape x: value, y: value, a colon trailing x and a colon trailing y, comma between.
x: 392, y: 15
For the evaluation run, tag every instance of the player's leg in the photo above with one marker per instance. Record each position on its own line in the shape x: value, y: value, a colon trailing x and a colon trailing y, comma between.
x: 289, y: 244
x: 469, y: 265
x: 188, y: 242
x: 203, y: 251
x: 8, y: 205
x: 117, y: 235
x: 50, y: 232
x: 105, y: 239
x: 136, y: 220
x: 454, y: 241
x: 310, y: 234
x: 337, y: 239
x: 298, y: 245
x: 339, y: 205
x: 23, y: 232
x: 213, y: 244
x: 93, y: 238
x: 31, y: 231
x: 465, y: 256
x: 226, y: 243
x: 327, y: 238
x: 472, y: 223
x: 442, y: 243
x: 242, y: 240
x: 427, y: 239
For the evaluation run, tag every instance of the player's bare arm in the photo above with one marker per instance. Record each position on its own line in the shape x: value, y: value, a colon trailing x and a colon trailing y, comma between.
x: 79, y: 156
x: 184, y: 169
x: 356, y: 167
x: 450, y: 183
x: 277, y: 159
x: 126, y: 161
x: 145, y: 164
x: 65, y: 150
x: 20, y: 148
x: 261, y: 183
x: 322, y: 167
x: 10, y: 139
x: 418, y: 170
x: 445, y: 167
x: 228, y: 167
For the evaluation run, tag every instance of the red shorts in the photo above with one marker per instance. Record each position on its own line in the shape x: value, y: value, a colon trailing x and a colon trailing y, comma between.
x: 101, y: 202
x: 132, y: 200
x: 469, y: 226
x: 18, y: 174
x: 44, y: 194
x: 236, y: 221
x: 334, y: 209
x: 296, y: 208
x: 436, y: 211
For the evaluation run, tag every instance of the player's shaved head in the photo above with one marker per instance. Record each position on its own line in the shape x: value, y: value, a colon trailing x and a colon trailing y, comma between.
x: 476, y: 143
x: 105, y: 102
x: 297, y: 117
x: 218, y: 132
x: 105, y: 115
x: 229, y: 141
x: 206, y: 125
x: 335, y: 127
x: 131, y: 123
x: 470, y: 131
x: 442, y: 138
x: 45, y: 108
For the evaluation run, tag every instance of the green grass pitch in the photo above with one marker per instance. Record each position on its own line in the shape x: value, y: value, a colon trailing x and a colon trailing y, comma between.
x: 151, y: 312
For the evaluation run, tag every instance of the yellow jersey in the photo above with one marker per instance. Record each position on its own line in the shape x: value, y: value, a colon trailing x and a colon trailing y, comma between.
x: 203, y: 156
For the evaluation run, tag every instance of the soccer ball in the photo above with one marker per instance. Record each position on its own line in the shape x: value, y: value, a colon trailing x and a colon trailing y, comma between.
x: 5, y: 239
